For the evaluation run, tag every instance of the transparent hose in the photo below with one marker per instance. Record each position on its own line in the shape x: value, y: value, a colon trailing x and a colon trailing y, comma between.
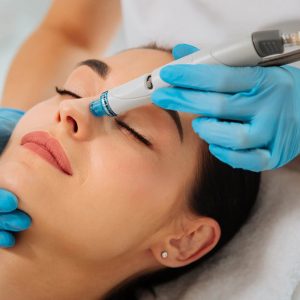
x: 291, y: 39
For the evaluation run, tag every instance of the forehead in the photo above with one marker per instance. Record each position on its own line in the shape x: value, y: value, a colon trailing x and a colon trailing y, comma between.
x: 132, y: 63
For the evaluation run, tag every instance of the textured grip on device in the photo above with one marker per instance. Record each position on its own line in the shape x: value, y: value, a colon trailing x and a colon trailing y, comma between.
x: 268, y: 42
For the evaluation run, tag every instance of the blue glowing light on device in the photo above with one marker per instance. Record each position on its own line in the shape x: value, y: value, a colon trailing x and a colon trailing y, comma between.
x: 101, y: 108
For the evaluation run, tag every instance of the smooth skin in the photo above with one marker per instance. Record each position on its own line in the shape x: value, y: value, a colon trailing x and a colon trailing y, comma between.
x: 125, y: 203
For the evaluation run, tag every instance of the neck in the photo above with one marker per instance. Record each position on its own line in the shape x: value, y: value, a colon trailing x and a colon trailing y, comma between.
x: 29, y: 272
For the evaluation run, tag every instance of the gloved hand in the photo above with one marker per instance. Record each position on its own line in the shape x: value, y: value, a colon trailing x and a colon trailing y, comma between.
x: 249, y: 116
x: 8, y: 120
x: 11, y: 219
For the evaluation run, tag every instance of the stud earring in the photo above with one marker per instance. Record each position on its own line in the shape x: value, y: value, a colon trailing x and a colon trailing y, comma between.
x: 164, y: 254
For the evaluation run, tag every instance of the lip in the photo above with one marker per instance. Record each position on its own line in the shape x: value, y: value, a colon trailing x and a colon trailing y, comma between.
x: 49, y: 149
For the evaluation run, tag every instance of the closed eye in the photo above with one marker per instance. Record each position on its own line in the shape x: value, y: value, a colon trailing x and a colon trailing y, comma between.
x: 63, y: 92
x: 134, y: 133
x: 120, y: 123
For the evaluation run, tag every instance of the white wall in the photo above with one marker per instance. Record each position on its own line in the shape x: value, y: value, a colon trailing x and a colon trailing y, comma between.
x: 17, y: 20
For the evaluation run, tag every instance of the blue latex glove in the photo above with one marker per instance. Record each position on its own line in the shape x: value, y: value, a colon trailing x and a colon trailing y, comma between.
x: 264, y: 100
x: 11, y: 219
x: 8, y: 120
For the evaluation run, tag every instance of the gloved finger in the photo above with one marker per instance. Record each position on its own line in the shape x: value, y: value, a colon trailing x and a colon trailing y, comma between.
x: 214, y: 78
x: 237, y: 136
x: 209, y: 104
x: 8, y: 201
x: 15, y: 221
x: 6, y: 239
x: 10, y: 114
x: 255, y: 160
x: 182, y: 50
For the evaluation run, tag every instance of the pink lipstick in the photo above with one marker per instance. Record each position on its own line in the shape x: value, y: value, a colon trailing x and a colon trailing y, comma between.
x: 49, y: 149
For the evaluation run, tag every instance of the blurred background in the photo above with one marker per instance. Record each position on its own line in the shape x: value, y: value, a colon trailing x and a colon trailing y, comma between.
x: 18, y: 18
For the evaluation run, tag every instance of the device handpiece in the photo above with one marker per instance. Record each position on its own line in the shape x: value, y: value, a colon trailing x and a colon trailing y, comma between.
x: 251, y: 51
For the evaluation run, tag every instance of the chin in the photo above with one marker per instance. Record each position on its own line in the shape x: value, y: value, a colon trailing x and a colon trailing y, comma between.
x: 20, y: 175
x: 23, y: 170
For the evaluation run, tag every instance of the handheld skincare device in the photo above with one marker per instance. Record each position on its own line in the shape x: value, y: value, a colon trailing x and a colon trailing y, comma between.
x: 262, y: 48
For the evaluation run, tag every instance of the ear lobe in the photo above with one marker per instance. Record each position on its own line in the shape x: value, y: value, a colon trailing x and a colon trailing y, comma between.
x: 199, y: 238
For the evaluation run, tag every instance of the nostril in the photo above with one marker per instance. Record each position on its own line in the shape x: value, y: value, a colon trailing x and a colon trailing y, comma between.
x: 73, y: 122
x: 58, y: 117
x: 75, y: 127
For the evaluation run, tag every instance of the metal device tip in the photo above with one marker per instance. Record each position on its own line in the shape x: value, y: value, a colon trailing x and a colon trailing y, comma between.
x: 96, y: 108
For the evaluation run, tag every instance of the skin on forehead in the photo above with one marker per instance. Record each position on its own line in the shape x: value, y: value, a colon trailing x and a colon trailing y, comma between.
x: 136, y: 62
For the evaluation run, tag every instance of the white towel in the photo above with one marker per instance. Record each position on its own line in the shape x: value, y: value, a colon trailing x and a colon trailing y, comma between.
x: 262, y: 262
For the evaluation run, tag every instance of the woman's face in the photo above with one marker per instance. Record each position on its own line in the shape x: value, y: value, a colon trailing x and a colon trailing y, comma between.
x: 122, y: 192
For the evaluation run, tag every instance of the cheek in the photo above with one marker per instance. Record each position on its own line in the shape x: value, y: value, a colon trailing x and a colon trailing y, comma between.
x: 39, y: 117
x: 120, y: 204
x: 17, y: 175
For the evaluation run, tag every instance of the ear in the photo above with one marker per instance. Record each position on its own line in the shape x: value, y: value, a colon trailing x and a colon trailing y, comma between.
x: 197, y: 237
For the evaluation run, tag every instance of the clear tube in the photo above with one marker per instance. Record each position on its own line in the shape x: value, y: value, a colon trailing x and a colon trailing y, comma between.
x: 291, y: 39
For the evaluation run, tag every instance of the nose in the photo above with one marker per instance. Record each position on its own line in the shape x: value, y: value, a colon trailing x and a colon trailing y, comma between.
x: 74, y: 117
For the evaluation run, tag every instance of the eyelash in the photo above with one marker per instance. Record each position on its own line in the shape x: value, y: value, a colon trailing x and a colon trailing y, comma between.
x: 63, y: 92
x: 133, y: 132
x: 120, y: 123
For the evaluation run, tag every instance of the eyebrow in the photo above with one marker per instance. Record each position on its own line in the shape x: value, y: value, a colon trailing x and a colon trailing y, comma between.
x: 103, y: 69
x: 99, y: 66
x: 175, y: 117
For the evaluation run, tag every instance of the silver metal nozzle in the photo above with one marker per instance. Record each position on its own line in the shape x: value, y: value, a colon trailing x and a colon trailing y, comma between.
x: 291, y: 39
